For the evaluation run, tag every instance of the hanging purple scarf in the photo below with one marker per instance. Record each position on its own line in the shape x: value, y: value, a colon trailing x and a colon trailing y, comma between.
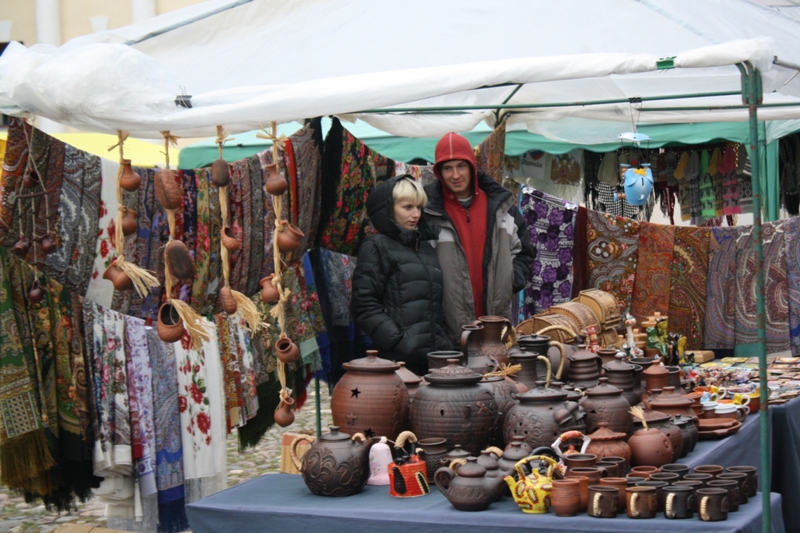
x: 720, y: 311
x: 792, y: 230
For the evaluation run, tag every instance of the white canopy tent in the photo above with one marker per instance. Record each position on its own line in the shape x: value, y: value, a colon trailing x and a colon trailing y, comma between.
x: 249, y: 62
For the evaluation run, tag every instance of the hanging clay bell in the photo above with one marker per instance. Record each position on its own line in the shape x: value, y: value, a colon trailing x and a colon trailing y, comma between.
x: 22, y: 246
x: 129, y: 180
x: 31, y: 179
x: 276, y: 184
x: 289, y: 238
x: 168, y: 191
x: 170, y: 324
x: 269, y: 294
x: 118, y: 278
x: 36, y: 294
x: 179, y: 260
x: 229, y: 240
x: 220, y: 175
x: 227, y: 301
x: 47, y: 245
x: 286, y: 350
x: 130, y: 222
x: 284, y: 415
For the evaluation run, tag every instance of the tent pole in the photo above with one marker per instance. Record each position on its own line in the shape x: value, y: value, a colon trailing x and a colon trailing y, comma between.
x: 752, y: 96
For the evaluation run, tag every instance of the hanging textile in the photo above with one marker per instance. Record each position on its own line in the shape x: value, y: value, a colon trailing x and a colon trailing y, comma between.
x: 745, y: 175
x: 214, y: 272
x: 792, y: 230
x: 721, y: 290
x: 730, y: 181
x: 99, y: 290
x: 683, y: 175
x: 551, y: 224
x: 202, y: 251
x: 612, y: 247
x: 229, y: 356
x: 706, y: 187
x: 651, y: 292
x: 422, y: 173
x: 687, y: 303
x: 580, y: 259
x: 338, y: 270
x: 256, y: 228
x: 307, y: 146
x: 268, y: 217
x: 146, y: 205
x: 14, y: 164
x: 490, y: 153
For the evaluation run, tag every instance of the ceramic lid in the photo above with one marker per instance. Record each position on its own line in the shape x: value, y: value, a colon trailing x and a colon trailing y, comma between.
x: 583, y: 354
x: 669, y: 397
x: 335, y: 435
x: 533, y: 339
x: 604, y: 434
x: 656, y: 370
x: 408, y: 377
x: 371, y: 363
x: 453, y: 374
x: 619, y: 365
x: 471, y: 469
x: 542, y: 394
x: 603, y: 389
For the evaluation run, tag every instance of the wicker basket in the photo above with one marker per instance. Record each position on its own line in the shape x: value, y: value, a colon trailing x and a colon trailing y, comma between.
x: 608, y: 338
x: 582, y: 315
x: 539, y: 322
x: 604, y: 304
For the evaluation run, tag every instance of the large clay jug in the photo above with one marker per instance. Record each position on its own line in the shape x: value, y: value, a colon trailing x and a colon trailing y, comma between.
x: 471, y: 345
x: 540, y: 345
x: 496, y: 330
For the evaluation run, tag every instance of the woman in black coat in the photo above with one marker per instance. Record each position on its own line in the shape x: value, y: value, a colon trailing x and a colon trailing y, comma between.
x: 397, y: 284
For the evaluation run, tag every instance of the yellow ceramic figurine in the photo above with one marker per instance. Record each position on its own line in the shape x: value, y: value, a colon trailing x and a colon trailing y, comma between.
x: 532, y: 491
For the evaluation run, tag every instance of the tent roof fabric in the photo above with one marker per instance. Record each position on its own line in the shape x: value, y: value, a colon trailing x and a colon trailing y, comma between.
x: 249, y: 62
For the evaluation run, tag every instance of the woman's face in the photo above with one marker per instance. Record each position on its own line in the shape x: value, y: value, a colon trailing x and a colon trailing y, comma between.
x: 406, y: 214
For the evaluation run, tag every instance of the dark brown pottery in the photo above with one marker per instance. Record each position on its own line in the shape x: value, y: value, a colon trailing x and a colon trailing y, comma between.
x: 664, y: 423
x: 179, y: 261
x: 30, y: 179
x: 276, y: 184
x: 476, y: 359
x: 671, y: 403
x: 565, y: 498
x: 621, y: 484
x: 676, y: 468
x: 642, y: 502
x: 411, y: 380
x: 434, y: 450
x: 701, y: 477
x: 603, y: 501
x: 514, y: 451
x: 455, y: 406
x: 170, y: 324
x: 542, y: 415
x: 741, y: 479
x: 668, y: 477
x: 541, y: 345
x: 220, y: 173
x: 168, y: 192
x: 659, y: 486
x: 227, y: 301
x: 529, y: 367
x: 503, y: 391
x: 439, y: 359
x: 674, y: 379
x: 36, y: 293
x: 576, y: 460
x: 488, y: 460
x: 685, y: 425
x: 604, y: 403
x: 371, y: 398
x: 650, y: 447
x: 634, y: 479
x: 583, y: 491
x: 732, y: 486
x: 469, y: 488
x: 284, y: 414
x: 22, y: 246
x: 287, y: 351
x: 118, y: 278
x: 289, y: 237
x: 714, y: 470
x: 624, y: 376
x: 606, y: 355
x: 605, y: 442
x: 130, y: 222
x: 679, y: 502
x: 752, y: 477
x: 584, y: 368
x: 694, y: 485
x: 128, y: 179
x: 616, y: 466
x: 712, y: 504
x: 644, y: 471
x: 655, y: 376
x: 496, y: 330
x: 336, y: 465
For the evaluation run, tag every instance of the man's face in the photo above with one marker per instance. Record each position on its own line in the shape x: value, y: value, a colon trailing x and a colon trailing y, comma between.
x: 457, y: 175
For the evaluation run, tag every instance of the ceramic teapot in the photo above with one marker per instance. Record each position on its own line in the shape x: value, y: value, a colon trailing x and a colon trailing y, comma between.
x: 468, y: 488
x: 540, y: 345
x: 542, y: 415
x: 336, y: 465
x: 532, y: 491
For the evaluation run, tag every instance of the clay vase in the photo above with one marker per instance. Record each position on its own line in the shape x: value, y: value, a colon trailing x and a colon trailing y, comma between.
x: 168, y: 192
x: 469, y: 488
x: 129, y: 180
x: 453, y: 401
x: 179, y: 261
x: 432, y: 450
x: 372, y: 399
x: 286, y: 350
x: 284, y: 415
x: 542, y: 415
x: 624, y: 376
x: 220, y: 173
x: 712, y: 504
x: 606, y: 356
x: 269, y: 294
x: 47, y: 245
x: 170, y: 324
x: 289, y: 238
x: 227, y: 301
x: 130, y: 222
x: 607, y: 443
x: 118, y: 278
x: 22, y: 246
x: 650, y: 447
x: 584, y: 368
x: 276, y: 184
x: 603, y: 501
x: 36, y: 293
x: 440, y: 359
x: 656, y: 377
x: 229, y: 240
x: 503, y: 391
x: 665, y: 424
x: 496, y: 330
x: 565, y: 497
x: 31, y: 179
x: 604, y: 403
x: 470, y: 342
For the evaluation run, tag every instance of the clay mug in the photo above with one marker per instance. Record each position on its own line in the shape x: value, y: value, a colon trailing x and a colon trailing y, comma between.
x: 676, y: 468
x: 679, y: 502
x: 593, y: 473
x: 634, y: 480
x: 741, y: 399
x: 659, y: 486
x: 712, y: 504
x: 565, y: 496
x: 701, y: 477
x: 583, y: 491
x: 714, y: 470
x: 732, y: 486
x: 621, y: 484
x: 741, y: 479
x: 579, y: 460
x: 603, y: 501
x: 694, y: 485
x: 669, y: 477
x: 614, y: 465
x: 752, y: 477
x: 642, y: 502
x: 644, y: 471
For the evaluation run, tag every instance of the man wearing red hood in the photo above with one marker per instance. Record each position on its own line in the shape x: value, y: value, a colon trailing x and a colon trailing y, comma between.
x: 484, y: 248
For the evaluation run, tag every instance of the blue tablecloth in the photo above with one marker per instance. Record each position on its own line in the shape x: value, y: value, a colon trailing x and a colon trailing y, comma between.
x: 281, y: 502
x: 786, y: 458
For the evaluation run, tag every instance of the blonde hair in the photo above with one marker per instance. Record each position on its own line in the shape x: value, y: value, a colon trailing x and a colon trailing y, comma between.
x: 408, y: 189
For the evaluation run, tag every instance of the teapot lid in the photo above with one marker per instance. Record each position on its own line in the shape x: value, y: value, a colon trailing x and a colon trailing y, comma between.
x: 619, y: 365
x: 583, y: 354
x: 603, y: 388
x: 604, y: 434
x: 542, y: 394
x: 453, y: 374
x: 371, y: 363
x: 335, y: 435
x: 471, y: 468
x: 669, y: 397
x: 533, y: 339
x: 656, y: 370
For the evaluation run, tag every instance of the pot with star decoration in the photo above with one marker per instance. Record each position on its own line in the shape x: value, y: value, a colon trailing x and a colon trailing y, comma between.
x: 371, y: 398
x: 455, y: 406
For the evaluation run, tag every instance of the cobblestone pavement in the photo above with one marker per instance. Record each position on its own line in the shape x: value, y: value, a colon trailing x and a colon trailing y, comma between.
x: 16, y: 516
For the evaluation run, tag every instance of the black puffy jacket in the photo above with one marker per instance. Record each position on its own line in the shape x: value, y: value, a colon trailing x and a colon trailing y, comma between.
x: 398, y: 286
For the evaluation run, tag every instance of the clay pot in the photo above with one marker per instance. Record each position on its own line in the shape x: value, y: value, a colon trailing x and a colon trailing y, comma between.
x: 30, y: 179
x: 286, y: 350
x: 656, y: 377
x: 674, y: 379
x: 607, y: 443
x: 689, y: 431
x: 118, y: 278
x: 615, y: 466
x: 650, y: 447
x: 621, y: 484
x: 679, y: 502
x: 583, y: 491
x: 643, y: 471
x: 496, y: 330
x: 469, y: 488
x: 488, y: 460
x: 565, y: 497
x: 584, y: 368
x: 645, y: 363
x: 168, y: 192
x: 289, y: 238
x: 642, y: 502
x: 665, y: 424
x: 676, y: 468
x: 276, y: 184
x: 130, y: 222
x: 477, y: 360
x: 604, y: 403
x: 22, y: 246
x: 129, y: 180
x: 503, y: 391
x: 227, y: 301
x: 220, y: 173
x: 170, y: 324
x: 455, y: 400
x: 47, y: 245
x: 433, y: 450
x: 700, y: 477
x: 659, y: 486
x: 606, y: 356
x: 179, y: 260
x: 229, y: 240
x: 440, y: 359
x: 580, y: 460
x: 269, y: 294
x: 371, y: 398
x: 542, y: 415
x: 284, y: 414
x: 36, y: 293
x: 712, y: 504
x: 410, y: 379
x: 603, y: 501
x: 671, y: 403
